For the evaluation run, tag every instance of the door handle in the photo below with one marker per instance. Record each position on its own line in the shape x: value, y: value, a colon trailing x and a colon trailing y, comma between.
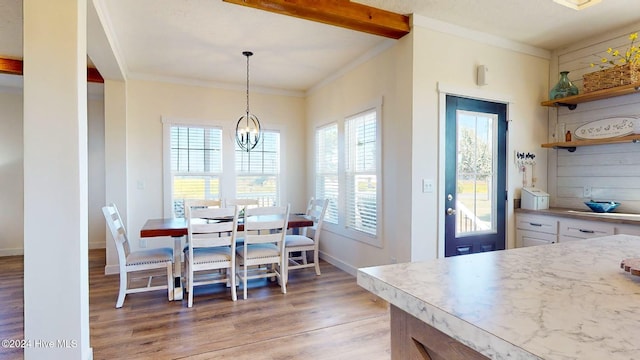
x: 451, y: 211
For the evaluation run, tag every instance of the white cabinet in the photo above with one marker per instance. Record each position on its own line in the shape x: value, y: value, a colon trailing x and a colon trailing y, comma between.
x: 532, y: 238
x: 572, y: 229
x: 535, y: 230
x: 549, y: 228
x: 627, y: 229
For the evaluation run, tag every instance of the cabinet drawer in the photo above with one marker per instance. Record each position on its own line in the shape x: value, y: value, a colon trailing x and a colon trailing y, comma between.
x: 628, y: 229
x: 584, y: 229
x: 544, y: 224
x: 565, y: 238
x: 533, y: 238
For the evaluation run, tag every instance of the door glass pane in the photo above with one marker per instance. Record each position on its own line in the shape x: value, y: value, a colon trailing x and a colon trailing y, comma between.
x: 475, y: 172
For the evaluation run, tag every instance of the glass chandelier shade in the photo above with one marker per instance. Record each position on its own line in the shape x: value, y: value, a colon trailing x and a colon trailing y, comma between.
x: 248, y: 128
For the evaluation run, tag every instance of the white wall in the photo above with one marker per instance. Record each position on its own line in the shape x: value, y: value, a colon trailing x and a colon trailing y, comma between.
x: 96, y: 171
x: 448, y: 56
x: 148, y: 101
x: 611, y: 171
x: 387, y: 75
x: 11, y: 172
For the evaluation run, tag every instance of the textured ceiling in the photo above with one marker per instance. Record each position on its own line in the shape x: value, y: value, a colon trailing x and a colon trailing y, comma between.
x: 540, y: 23
x: 201, y: 41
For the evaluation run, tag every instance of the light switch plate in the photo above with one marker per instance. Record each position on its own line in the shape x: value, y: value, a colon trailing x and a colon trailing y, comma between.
x: 586, y: 191
x: 427, y: 185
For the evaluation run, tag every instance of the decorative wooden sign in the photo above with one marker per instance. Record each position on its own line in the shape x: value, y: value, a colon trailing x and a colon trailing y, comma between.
x: 608, y: 128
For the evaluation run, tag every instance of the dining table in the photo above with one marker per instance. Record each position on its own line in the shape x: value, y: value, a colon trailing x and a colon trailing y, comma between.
x: 176, y: 228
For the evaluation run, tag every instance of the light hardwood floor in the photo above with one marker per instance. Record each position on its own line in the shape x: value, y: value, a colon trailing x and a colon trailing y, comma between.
x: 320, y: 317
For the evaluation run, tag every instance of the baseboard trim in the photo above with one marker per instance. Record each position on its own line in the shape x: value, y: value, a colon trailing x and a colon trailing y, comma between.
x: 20, y: 251
x: 97, y: 245
x: 11, y: 252
x: 112, y: 269
x: 339, y: 264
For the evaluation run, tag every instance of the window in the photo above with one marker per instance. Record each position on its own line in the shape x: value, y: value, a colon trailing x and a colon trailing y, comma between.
x: 196, y: 164
x: 194, y: 154
x: 258, y: 171
x: 348, y: 173
x: 327, y: 170
x: 361, y: 185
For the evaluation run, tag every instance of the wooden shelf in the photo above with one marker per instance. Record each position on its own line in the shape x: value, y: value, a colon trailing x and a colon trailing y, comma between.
x: 572, y: 101
x: 572, y: 145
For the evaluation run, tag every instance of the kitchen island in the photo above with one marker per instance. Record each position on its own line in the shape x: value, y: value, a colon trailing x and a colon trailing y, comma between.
x: 555, y: 302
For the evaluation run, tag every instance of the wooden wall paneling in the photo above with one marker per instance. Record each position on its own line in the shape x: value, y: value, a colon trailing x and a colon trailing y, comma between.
x: 611, y: 171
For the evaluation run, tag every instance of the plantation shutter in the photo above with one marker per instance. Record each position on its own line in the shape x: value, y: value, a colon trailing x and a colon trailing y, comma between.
x: 258, y: 171
x: 361, y: 144
x: 196, y: 164
x: 327, y: 169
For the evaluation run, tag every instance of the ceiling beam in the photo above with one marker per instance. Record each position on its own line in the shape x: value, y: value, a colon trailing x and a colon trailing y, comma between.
x: 342, y: 13
x: 11, y: 66
x: 14, y: 67
x: 93, y: 75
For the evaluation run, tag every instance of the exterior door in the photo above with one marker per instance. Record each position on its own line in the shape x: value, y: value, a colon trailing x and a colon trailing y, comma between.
x: 475, y: 176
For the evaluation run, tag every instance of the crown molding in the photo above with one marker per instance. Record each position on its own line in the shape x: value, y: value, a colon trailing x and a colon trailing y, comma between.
x: 481, y: 37
x: 373, y: 52
x: 213, y: 84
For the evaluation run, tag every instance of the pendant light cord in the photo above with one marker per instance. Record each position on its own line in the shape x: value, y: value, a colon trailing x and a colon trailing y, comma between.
x: 247, y: 54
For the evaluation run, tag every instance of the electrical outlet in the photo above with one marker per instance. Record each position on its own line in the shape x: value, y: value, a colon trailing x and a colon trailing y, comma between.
x: 143, y: 243
x: 586, y: 191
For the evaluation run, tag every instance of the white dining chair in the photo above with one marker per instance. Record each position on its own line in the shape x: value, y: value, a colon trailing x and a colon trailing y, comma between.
x: 211, y: 243
x: 262, y: 254
x: 242, y: 203
x: 136, y: 261
x: 297, y: 245
x: 201, y: 203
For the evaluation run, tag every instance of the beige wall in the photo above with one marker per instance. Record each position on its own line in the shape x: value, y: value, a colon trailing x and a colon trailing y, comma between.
x: 449, y: 59
x: 11, y: 172
x: 386, y: 76
x: 96, y: 170
x: 408, y: 76
x: 148, y: 102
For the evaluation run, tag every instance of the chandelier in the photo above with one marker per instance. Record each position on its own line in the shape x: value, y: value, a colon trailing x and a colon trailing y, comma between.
x: 248, y: 130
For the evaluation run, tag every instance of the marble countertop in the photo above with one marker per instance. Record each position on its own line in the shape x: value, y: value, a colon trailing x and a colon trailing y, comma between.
x: 613, y: 217
x: 555, y: 302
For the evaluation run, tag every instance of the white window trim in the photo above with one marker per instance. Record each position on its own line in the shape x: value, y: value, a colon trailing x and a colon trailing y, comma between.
x: 227, y: 183
x: 340, y: 228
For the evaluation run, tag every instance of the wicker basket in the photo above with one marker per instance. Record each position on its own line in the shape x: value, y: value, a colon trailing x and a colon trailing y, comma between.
x: 611, y: 77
